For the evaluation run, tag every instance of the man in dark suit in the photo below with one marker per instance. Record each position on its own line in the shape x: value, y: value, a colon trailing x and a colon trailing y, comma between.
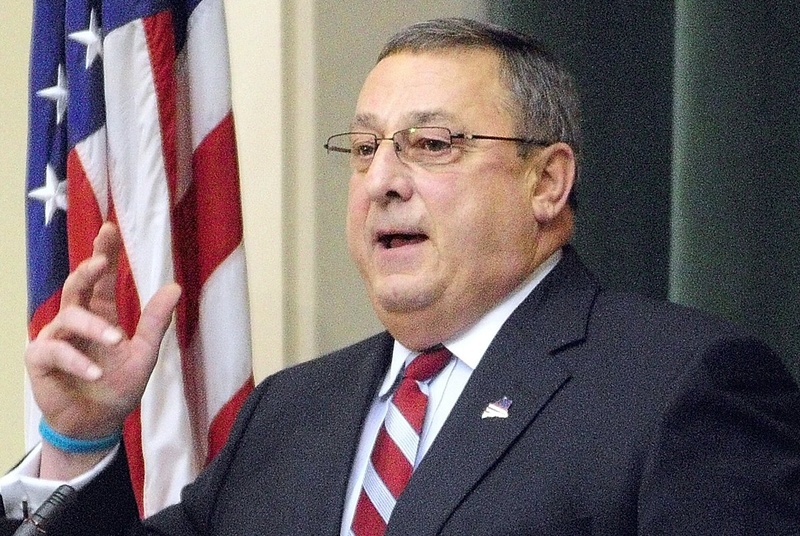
x: 556, y: 408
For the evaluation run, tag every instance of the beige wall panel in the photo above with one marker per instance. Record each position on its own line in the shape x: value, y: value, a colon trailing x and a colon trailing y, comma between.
x: 254, y: 30
x: 15, y: 25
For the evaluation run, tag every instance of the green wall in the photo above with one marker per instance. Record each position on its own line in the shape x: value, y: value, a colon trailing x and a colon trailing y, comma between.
x: 692, y: 169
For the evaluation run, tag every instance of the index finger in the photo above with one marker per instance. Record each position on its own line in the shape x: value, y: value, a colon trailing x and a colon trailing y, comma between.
x: 107, y: 243
x: 95, y: 278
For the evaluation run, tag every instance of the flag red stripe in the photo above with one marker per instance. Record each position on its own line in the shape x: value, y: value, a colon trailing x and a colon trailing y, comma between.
x: 219, y: 216
x: 132, y: 436
x: 84, y: 218
x: 184, y: 233
x: 223, y: 422
x: 208, y: 220
x: 161, y: 45
x: 44, y: 314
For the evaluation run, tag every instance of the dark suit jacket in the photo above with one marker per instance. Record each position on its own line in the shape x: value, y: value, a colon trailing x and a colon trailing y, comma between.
x: 629, y: 416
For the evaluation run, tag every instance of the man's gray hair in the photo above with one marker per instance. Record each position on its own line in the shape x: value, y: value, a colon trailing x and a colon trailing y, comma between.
x: 544, y: 101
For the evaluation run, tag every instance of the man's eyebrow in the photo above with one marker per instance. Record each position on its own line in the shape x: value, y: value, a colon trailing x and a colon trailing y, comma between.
x: 363, y: 121
x: 414, y: 119
x: 430, y: 117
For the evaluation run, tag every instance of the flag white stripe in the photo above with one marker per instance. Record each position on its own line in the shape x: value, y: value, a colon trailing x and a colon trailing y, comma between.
x: 166, y: 436
x: 92, y: 154
x: 136, y: 162
x: 207, y: 57
x: 224, y: 331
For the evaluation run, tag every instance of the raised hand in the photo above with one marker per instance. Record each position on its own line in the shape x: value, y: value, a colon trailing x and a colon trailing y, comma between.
x: 85, y: 374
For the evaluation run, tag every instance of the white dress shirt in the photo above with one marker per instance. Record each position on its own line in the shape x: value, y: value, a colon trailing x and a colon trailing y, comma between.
x: 444, y: 389
x: 23, y: 485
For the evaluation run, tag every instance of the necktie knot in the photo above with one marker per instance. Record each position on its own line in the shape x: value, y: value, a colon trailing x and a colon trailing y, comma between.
x: 428, y: 364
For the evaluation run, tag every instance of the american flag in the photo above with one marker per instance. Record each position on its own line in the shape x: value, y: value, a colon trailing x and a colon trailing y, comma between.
x: 130, y: 121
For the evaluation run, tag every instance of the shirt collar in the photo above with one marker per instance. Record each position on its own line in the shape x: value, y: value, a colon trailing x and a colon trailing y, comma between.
x: 470, y: 345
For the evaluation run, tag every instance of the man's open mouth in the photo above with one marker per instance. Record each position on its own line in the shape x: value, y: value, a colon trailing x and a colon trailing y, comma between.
x: 396, y: 240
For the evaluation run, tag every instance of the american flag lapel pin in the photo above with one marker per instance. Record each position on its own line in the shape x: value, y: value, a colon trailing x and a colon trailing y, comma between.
x: 497, y: 409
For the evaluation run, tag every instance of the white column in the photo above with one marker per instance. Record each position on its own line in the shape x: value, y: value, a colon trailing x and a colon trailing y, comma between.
x: 297, y: 67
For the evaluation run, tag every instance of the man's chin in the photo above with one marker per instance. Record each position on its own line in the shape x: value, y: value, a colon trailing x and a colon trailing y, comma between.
x: 402, y: 297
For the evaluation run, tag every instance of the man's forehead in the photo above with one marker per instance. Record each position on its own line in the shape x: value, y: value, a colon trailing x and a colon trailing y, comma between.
x: 446, y: 88
x: 450, y: 67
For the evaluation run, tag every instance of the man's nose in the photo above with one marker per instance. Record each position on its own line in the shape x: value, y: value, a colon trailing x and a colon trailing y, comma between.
x: 387, y: 176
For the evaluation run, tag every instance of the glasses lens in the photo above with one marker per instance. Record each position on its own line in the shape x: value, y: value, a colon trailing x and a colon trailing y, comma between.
x: 359, y: 146
x: 362, y: 149
x: 425, y: 145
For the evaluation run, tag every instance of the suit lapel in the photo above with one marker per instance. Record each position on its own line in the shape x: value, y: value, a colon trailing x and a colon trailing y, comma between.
x: 361, y: 375
x: 520, y: 364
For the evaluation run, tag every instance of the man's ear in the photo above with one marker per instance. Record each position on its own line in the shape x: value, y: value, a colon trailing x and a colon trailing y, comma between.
x: 554, y: 177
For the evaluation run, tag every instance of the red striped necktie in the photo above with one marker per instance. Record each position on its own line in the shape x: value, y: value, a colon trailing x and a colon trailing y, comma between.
x: 395, y: 451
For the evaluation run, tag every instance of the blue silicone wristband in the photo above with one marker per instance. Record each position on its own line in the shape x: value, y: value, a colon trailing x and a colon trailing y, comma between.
x: 72, y: 445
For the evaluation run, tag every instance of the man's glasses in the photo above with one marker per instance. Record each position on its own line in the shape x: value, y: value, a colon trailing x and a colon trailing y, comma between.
x: 425, y: 146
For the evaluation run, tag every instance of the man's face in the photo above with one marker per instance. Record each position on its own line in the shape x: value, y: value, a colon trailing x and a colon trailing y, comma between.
x: 438, y: 246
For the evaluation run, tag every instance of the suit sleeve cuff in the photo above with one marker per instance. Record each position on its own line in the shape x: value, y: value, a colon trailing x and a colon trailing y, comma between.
x: 23, y: 485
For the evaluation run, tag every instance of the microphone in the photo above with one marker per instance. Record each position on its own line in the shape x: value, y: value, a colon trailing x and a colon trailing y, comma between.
x: 38, y: 523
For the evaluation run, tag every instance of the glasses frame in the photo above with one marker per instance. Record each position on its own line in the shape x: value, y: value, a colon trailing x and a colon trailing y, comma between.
x: 397, y: 149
